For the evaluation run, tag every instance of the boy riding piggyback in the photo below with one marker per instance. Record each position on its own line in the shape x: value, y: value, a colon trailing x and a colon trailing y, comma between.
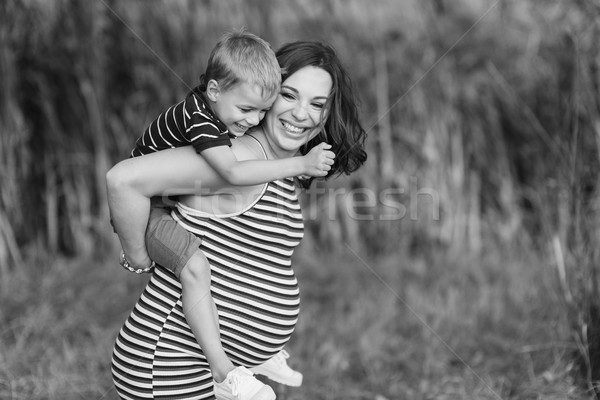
x: 240, y: 84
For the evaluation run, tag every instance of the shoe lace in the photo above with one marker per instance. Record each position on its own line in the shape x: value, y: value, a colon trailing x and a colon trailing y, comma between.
x: 280, y: 357
x: 235, y: 390
x: 235, y: 382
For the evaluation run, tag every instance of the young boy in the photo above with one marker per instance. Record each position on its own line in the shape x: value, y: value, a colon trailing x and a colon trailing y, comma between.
x: 240, y: 84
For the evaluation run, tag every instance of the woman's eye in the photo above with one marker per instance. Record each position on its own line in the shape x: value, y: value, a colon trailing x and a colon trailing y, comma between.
x: 318, y: 105
x: 288, y: 96
x: 245, y: 110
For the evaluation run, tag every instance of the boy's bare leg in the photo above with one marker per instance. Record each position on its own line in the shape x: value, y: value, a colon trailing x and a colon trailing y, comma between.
x: 200, y: 312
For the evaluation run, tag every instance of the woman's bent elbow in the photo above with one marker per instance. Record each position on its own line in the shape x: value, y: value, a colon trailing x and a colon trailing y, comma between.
x: 232, y: 177
x: 116, y: 178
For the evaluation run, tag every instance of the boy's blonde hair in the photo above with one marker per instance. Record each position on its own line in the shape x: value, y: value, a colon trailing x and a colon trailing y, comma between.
x: 242, y: 57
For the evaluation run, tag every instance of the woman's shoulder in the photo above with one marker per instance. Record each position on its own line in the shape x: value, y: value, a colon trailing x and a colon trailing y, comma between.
x: 248, y: 147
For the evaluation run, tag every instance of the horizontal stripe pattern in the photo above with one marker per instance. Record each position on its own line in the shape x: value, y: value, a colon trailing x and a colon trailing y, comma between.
x: 189, y: 122
x: 252, y: 283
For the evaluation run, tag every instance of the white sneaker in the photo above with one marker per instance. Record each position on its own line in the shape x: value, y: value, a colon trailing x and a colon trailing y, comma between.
x: 240, y: 384
x: 278, y: 370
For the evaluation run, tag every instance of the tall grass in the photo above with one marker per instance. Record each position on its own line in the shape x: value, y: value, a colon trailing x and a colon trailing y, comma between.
x: 426, y: 327
x: 484, y: 125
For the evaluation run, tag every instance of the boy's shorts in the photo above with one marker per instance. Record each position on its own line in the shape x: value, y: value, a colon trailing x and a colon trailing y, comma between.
x: 169, y: 244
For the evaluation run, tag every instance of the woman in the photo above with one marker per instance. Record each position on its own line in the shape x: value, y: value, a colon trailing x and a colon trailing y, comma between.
x: 248, y: 233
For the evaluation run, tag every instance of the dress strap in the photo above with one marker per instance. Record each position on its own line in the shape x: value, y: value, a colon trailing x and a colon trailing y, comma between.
x: 187, y: 211
x: 260, y: 145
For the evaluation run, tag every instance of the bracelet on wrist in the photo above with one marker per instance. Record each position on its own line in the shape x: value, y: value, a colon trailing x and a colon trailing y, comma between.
x: 125, y: 264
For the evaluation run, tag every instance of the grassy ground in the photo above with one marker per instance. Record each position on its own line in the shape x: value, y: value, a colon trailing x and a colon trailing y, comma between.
x: 486, y: 327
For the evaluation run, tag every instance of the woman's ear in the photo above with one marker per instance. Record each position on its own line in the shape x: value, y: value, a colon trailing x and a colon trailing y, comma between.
x: 212, y: 90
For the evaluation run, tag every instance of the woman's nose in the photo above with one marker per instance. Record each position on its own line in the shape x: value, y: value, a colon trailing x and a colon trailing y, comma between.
x: 299, y: 112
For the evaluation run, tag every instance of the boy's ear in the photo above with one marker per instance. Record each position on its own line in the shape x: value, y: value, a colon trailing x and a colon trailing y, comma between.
x: 212, y: 90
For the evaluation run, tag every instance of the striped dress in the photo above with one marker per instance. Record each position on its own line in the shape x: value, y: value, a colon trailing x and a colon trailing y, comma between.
x: 253, y: 286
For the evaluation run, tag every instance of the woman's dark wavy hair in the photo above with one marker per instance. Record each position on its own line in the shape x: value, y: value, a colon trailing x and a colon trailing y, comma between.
x: 341, y: 127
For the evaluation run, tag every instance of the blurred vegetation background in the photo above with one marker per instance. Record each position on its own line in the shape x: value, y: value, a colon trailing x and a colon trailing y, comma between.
x: 474, y: 275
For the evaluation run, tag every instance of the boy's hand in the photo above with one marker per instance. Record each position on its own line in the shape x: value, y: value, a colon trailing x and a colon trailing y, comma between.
x: 319, y: 160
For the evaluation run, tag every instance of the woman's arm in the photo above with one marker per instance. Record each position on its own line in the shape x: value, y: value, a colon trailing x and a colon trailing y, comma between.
x: 132, y: 182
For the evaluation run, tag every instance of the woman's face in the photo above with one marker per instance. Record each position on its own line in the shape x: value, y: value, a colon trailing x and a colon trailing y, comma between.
x: 295, y: 116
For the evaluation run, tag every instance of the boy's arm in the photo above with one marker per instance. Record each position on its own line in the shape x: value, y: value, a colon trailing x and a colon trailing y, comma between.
x: 253, y: 172
x: 132, y: 182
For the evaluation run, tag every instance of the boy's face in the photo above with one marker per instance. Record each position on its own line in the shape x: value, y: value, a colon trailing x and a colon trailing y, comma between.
x: 240, y: 107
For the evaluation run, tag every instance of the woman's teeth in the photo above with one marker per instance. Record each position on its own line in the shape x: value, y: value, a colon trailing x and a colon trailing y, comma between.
x: 291, y: 128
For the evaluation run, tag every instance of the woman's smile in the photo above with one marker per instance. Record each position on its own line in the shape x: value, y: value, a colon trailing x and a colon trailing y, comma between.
x: 295, y: 117
x: 292, y: 128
